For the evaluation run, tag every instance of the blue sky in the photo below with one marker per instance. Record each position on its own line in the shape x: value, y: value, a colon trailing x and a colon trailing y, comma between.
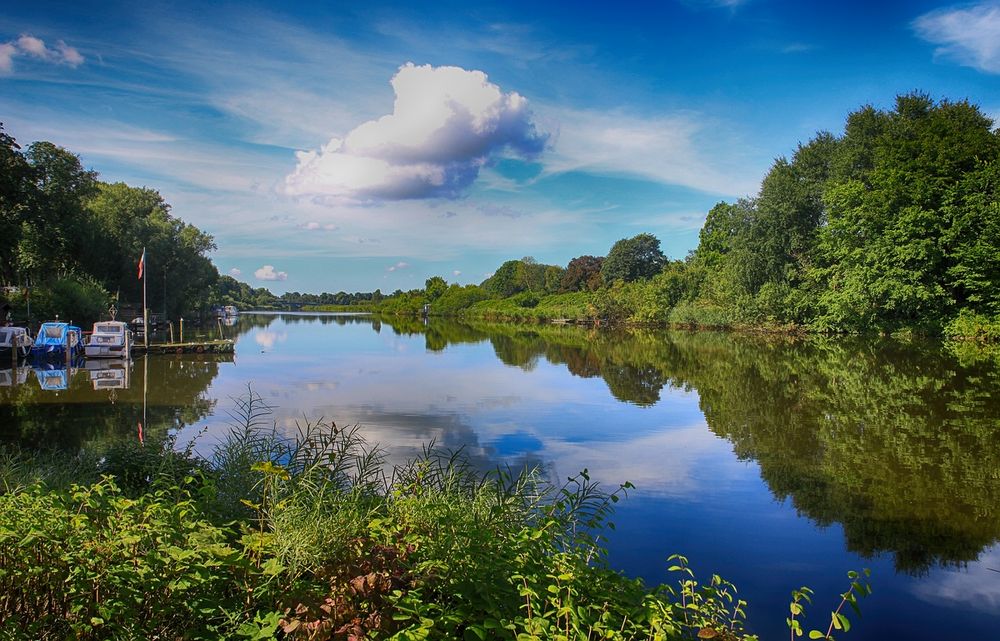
x: 355, y: 147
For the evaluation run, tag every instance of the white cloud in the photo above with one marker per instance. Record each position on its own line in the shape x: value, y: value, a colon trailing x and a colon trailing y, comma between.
x: 28, y: 45
x: 397, y: 266
x: 969, y: 35
x: 267, y: 273
x: 456, y: 272
x: 7, y: 53
x: 677, y: 148
x: 315, y: 226
x: 446, y: 124
x: 235, y: 272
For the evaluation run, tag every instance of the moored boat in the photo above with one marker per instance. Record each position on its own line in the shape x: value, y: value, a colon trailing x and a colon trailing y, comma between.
x: 14, y: 341
x: 110, y: 339
x: 57, y: 340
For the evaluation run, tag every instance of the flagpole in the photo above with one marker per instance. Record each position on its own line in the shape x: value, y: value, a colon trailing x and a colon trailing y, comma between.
x: 145, y: 311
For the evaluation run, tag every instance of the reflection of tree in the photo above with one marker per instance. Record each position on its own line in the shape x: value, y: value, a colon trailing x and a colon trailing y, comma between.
x: 896, y: 442
x: 69, y: 419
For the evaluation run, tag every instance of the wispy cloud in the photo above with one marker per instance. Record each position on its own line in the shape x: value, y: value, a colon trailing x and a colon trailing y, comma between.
x: 446, y: 124
x: 398, y: 266
x: 966, y: 34
x: 235, y: 272
x: 679, y: 149
x: 30, y: 46
x: 267, y: 272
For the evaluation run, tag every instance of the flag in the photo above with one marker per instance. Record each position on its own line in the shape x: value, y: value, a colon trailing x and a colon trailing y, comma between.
x: 142, y: 262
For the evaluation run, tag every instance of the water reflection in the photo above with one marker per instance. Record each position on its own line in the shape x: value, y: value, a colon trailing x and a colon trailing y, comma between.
x: 70, y: 407
x: 896, y: 442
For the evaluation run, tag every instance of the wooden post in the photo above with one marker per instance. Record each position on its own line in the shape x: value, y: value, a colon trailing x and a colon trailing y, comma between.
x: 170, y: 325
x: 182, y: 329
x: 219, y: 322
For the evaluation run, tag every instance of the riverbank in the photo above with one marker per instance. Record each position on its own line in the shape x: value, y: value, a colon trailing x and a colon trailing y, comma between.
x: 312, y: 538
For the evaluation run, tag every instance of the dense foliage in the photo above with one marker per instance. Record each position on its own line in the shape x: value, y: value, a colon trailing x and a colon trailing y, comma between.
x: 70, y: 244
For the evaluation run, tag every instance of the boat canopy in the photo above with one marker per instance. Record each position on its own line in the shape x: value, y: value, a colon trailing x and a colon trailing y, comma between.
x: 54, y: 334
x: 116, y: 327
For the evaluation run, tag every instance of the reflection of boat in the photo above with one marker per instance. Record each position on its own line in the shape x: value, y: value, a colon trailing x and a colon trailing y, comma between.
x: 109, y: 374
x: 57, y: 340
x: 52, y: 378
x: 110, y: 339
x: 14, y: 339
x: 229, y: 321
x: 12, y: 377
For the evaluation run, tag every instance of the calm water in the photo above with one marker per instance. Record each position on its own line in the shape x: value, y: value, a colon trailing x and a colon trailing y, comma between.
x: 776, y: 463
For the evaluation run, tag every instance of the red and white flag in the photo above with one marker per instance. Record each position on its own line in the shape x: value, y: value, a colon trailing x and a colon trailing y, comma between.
x: 142, y: 262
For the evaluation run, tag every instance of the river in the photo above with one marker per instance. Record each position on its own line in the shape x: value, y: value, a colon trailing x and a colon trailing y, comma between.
x: 773, y: 461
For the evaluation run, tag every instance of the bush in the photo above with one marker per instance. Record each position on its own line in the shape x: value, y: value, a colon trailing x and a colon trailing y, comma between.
x: 80, y: 299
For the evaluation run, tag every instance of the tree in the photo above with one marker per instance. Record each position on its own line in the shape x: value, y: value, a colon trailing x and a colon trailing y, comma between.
x: 18, y: 202
x: 59, y: 234
x: 582, y: 273
x: 909, y: 191
x: 435, y: 286
x: 633, y: 258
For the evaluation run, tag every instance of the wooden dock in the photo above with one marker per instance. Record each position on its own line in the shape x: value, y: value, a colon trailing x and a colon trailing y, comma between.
x: 195, y: 347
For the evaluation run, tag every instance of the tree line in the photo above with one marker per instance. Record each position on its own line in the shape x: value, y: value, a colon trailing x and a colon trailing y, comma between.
x: 70, y: 243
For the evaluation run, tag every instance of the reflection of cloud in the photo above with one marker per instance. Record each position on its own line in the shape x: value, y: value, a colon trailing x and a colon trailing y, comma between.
x: 268, y: 339
x: 651, y: 462
x: 977, y: 586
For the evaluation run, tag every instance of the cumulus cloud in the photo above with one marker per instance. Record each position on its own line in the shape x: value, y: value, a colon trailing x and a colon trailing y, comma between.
x: 235, y: 272
x: 457, y: 272
x: 446, y: 124
x: 30, y: 46
x: 267, y: 273
x: 397, y: 266
x: 969, y: 35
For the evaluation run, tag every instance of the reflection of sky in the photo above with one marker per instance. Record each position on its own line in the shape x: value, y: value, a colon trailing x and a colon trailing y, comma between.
x: 693, y: 496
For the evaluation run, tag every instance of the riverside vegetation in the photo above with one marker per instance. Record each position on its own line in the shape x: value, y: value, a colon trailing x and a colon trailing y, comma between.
x: 312, y: 538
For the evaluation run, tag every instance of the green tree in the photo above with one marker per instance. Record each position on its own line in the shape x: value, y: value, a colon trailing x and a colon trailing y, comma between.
x: 633, y: 258
x: 435, y: 286
x: 59, y: 234
x: 18, y: 203
x: 909, y: 188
